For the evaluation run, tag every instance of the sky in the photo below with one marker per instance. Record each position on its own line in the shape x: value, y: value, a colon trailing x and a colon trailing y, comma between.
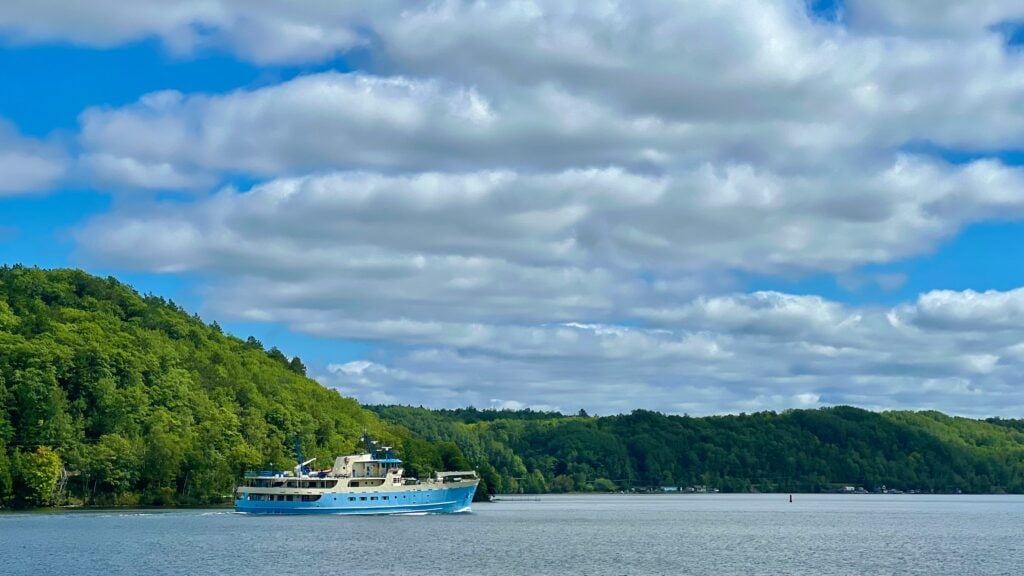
x: 688, y: 206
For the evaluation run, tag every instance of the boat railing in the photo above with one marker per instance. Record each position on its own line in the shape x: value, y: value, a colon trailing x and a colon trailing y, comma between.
x: 264, y: 473
x: 456, y: 476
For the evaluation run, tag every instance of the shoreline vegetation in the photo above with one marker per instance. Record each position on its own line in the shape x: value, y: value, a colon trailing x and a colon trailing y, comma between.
x: 112, y: 398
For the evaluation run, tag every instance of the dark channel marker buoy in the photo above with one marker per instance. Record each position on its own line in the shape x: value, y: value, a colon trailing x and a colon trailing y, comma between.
x: 790, y: 498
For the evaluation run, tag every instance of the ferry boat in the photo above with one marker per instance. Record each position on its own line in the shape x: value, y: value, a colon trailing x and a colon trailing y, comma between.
x: 371, y: 482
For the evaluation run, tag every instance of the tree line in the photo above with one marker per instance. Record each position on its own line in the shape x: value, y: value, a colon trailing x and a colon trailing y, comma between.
x: 109, y: 397
x: 820, y: 450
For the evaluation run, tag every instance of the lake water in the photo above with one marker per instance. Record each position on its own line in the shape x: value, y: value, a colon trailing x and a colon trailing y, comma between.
x: 591, y: 535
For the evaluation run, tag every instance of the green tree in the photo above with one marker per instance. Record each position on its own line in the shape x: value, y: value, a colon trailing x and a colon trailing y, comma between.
x: 114, y: 465
x: 8, y: 321
x: 6, y: 480
x: 296, y: 365
x: 561, y: 484
x: 536, y: 483
x: 278, y: 356
x: 452, y: 457
x: 39, y: 473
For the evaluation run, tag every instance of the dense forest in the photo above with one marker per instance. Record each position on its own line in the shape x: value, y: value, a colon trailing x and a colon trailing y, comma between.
x: 798, y: 450
x: 109, y: 397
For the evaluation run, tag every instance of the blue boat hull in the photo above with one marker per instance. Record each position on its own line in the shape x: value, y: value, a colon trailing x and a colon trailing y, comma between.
x: 439, y: 501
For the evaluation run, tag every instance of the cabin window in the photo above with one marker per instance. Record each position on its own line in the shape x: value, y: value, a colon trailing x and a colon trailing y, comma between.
x: 351, y: 498
x: 373, y: 497
x: 383, y: 497
x: 362, y: 498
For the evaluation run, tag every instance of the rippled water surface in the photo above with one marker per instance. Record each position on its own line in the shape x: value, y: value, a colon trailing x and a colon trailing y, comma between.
x: 657, y: 534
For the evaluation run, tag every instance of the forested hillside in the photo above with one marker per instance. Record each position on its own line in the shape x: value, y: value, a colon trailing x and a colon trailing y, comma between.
x: 798, y: 450
x: 109, y: 397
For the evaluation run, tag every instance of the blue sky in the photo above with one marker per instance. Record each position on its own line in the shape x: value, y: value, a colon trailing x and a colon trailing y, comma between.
x: 51, y: 85
x: 688, y: 206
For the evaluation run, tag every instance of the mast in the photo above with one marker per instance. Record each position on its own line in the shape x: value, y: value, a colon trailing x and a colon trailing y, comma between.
x: 369, y: 444
x: 298, y: 452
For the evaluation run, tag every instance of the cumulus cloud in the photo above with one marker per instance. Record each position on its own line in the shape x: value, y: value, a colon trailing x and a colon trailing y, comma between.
x: 757, y: 313
x: 502, y: 285
x: 571, y: 227
x: 309, y: 123
x: 773, y: 89
x: 259, y: 31
x: 528, y: 203
x: 967, y: 310
x: 26, y: 164
x: 611, y: 369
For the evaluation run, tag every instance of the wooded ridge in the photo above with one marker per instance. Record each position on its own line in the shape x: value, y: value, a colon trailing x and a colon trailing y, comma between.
x: 820, y: 450
x: 110, y: 397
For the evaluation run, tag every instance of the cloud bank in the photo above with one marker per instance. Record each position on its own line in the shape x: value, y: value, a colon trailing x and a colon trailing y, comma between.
x: 554, y: 204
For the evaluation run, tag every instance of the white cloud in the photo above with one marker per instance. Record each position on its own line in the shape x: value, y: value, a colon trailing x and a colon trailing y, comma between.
x: 967, y: 310
x: 759, y: 313
x: 577, y: 234
x: 550, y: 203
x: 259, y: 31
x: 28, y: 165
x: 487, y: 285
x: 875, y: 365
x: 536, y: 288
x: 123, y: 172
x: 308, y: 123
x: 653, y: 84
x: 931, y: 17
